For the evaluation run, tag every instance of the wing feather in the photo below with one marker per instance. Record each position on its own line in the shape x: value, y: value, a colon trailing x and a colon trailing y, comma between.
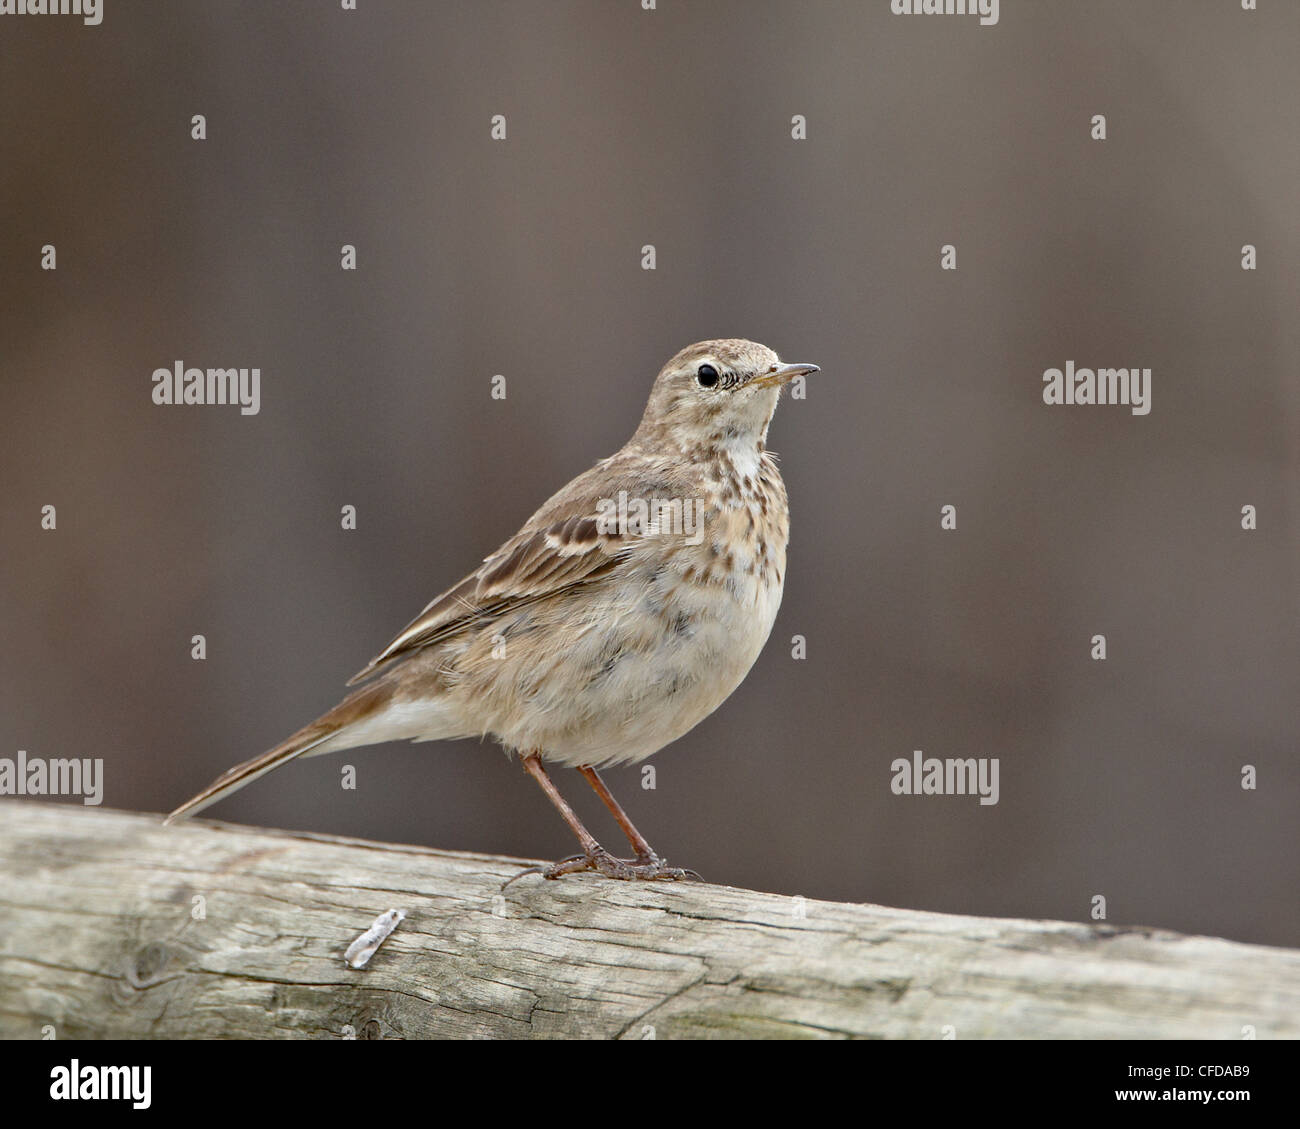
x: 536, y: 563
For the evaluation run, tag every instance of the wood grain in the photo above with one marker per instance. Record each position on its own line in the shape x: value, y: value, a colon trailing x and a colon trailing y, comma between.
x: 113, y: 926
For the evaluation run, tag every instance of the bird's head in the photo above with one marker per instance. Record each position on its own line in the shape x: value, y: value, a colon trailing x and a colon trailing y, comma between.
x: 716, y: 392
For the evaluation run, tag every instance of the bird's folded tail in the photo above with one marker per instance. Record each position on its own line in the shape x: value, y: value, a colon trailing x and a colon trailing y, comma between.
x: 330, y: 727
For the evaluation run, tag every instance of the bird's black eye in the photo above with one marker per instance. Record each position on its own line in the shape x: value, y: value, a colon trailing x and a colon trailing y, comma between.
x: 707, y: 375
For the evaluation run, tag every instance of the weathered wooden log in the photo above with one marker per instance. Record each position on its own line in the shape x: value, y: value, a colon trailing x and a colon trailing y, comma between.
x: 114, y: 926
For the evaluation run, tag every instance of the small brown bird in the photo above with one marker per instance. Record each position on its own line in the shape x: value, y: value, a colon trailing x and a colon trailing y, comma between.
x: 623, y: 613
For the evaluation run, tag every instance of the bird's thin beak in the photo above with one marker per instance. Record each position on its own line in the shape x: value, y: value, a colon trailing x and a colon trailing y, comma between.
x: 782, y: 375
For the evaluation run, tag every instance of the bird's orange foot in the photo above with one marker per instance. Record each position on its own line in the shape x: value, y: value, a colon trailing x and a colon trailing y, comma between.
x: 646, y: 868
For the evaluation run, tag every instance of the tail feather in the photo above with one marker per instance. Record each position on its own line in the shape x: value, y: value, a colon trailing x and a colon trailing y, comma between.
x: 333, y: 724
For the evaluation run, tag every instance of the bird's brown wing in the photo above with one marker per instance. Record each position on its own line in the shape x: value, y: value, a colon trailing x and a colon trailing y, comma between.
x: 550, y: 554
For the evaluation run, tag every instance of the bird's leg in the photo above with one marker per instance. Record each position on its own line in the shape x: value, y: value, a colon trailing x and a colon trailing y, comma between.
x: 644, y: 852
x: 594, y: 857
x: 646, y: 860
x: 533, y: 766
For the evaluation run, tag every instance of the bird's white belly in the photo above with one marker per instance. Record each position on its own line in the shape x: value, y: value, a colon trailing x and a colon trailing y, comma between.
x: 651, y: 663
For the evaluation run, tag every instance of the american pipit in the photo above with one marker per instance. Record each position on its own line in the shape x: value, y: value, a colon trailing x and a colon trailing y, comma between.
x: 623, y: 613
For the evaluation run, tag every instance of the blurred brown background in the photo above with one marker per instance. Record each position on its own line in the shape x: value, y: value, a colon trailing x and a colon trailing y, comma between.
x: 522, y: 257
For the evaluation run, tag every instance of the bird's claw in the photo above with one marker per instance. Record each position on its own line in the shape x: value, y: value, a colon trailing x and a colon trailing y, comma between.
x: 646, y: 868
